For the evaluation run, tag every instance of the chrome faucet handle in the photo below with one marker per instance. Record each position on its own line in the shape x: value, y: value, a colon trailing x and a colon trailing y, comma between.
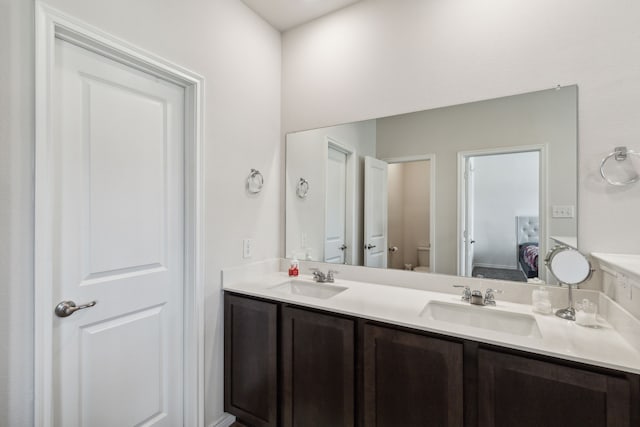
x: 330, y: 274
x: 466, y: 292
x: 318, y: 275
x: 489, y: 297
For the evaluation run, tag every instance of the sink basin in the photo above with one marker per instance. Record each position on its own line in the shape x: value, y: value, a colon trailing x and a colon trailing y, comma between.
x: 482, y: 318
x: 309, y: 289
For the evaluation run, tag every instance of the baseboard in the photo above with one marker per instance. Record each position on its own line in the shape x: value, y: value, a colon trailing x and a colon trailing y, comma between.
x: 505, y: 267
x: 224, y: 421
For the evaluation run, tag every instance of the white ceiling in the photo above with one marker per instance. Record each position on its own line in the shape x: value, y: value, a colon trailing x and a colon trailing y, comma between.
x: 286, y: 14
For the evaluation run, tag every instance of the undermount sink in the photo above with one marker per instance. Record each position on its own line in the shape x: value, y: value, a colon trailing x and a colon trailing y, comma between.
x: 482, y: 318
x: 309, y: 289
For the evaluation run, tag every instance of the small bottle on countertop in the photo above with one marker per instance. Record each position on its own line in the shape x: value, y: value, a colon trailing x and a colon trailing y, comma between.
x: 294, y: 267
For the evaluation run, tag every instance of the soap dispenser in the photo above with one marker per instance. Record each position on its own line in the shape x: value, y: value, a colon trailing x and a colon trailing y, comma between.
x: 294, y: 267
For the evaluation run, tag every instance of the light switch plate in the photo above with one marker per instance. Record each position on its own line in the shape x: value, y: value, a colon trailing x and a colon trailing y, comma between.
x: 562, y: 211
x: 247, y: 247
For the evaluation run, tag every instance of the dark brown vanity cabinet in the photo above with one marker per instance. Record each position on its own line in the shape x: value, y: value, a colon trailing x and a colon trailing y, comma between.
x: 411, y: 379
x: 295, y: 367
x: 251, y: 360
x: 318, y: 370
x: 519, y: 391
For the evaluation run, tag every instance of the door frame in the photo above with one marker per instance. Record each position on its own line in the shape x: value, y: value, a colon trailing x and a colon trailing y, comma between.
x: 543, y: 150
x: 431, y: 157
x: 52, y: 24
x: 350, y: 257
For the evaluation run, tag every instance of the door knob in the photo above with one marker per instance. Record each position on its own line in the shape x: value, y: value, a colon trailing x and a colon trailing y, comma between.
x: 343, y: 247
x: 67, y: 308
x: 370, y: 246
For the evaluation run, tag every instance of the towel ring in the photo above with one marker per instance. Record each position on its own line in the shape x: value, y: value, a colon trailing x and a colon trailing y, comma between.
x: 619, y: 154
x: 302, y: 188
x: 255, y: 181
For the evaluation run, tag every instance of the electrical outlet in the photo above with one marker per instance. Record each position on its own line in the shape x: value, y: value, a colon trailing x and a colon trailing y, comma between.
x: 562, y: 211
x: 247, y: 247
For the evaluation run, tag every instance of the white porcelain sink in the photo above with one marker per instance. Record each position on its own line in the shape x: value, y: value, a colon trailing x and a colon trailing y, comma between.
x: 483, y: 318
x: 309, y: 289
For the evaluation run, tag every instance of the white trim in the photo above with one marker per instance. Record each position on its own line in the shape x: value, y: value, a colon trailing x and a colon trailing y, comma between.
x: 350, y: 204
x: 224, y: 421
x: 543, y: 149
x: 432, y: 199
x: 52, y: 24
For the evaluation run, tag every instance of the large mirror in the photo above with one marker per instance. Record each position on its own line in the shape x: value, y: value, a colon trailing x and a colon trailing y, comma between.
x: 478, y: 189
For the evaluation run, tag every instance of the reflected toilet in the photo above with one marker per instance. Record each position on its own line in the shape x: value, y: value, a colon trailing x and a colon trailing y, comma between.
x: 424, y: 253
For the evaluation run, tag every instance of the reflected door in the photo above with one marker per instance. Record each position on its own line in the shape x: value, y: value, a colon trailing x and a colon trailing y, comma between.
x: 469, y: 218
x: 375, y: 212
x: 118, y: 240
x: 336, y: 213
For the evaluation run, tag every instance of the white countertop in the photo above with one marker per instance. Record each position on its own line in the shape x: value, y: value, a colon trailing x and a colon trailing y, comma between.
x: 627, y: 263
x: 403, y: 306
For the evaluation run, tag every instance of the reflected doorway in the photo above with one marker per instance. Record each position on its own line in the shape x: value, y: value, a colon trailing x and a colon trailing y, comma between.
x: 410, y: 207
x: 499, y: 214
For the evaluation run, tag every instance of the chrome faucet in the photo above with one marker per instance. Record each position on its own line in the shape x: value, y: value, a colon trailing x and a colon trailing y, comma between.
x: 489, y: 297
x: 320, y: 277
x: 475, y: 297
x: 466, y: 292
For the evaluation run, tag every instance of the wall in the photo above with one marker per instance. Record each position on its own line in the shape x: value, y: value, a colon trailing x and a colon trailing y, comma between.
x: 417, y: 186
x: 505, y: 186
x: 395, y: 214
x: 240, y: 57
x: 408, y: 211
x: 306, y: 154
x: 387, y: 57
x: 16, y: 216
x: 542, y: 117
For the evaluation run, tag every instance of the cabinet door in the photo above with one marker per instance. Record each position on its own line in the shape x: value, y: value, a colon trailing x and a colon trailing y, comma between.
x: 250, y: 360
x: 318, y: 369
x: 517, y: 391
x: 411, y: 380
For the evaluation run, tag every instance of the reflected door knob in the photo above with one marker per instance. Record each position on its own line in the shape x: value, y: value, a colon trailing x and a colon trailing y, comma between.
x: 67, y: 308
x: 343, y: 247
x: 370, y: 246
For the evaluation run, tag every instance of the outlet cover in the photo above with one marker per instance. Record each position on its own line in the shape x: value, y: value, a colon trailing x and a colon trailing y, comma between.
x: 247, y: 248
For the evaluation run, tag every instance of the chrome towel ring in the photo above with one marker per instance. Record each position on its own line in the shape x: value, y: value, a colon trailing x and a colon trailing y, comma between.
x: 255, y: 181
x: 302, y: 188
x: 619, y: 154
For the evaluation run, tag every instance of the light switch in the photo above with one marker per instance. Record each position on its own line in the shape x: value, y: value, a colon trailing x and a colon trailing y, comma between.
x: 247, y: 247
x: 562, y: 211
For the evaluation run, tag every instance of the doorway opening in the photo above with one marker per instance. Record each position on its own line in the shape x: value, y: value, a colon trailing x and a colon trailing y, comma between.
x: 411, y: 213
x: 501, y: 202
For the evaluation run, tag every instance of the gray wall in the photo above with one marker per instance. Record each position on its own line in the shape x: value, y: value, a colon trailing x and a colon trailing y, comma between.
x: 544, y: 117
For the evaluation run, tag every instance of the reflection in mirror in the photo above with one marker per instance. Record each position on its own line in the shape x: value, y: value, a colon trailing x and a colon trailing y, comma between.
x: 476, y: 189
x: 570, y: 268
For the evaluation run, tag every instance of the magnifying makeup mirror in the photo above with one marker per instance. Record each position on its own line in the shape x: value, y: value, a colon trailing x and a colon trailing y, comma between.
x: 570, y: 268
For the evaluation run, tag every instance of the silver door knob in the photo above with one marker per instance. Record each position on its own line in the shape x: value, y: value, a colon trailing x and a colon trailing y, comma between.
x: 343, y: 247
x: 370, y: 246
x: 67, y: 308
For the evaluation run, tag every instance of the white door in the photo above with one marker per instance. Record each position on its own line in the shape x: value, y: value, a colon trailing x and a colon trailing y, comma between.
x: 336, y: 209
x: 117, y: 240
x: 375, y: 212
x: 469, y: 218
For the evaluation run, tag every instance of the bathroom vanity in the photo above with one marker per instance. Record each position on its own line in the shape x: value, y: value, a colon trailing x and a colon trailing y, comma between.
x: 368, y: 354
